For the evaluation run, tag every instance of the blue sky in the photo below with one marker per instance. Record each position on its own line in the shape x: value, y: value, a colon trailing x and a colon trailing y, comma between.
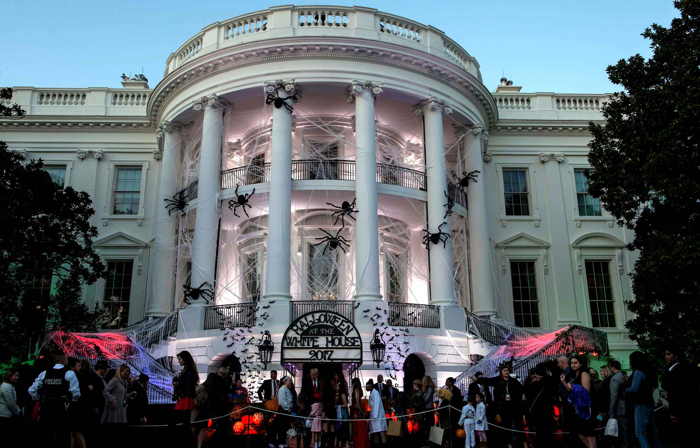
x: 543, y: 45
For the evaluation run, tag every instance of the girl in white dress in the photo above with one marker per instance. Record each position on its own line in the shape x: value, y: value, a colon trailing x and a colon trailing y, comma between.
x: 480, y: 423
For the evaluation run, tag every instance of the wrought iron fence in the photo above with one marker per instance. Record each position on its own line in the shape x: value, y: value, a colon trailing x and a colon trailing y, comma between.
x: 255, y: 173
x: 229, y: 316
x: 387, y: 174
x: 323, y: 169
x: 493, y: 332
x: 148, y: 333
x: 318, y: 169
x: 343, y: 307
x: 398, y: 175
x: 414, y: 315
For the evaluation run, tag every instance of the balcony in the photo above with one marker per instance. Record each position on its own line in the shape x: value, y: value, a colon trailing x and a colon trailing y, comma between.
x: 549, y: 106
x: 343, y: 307
x: 322, y: 21
x: 414, y: 315
x: 218, y: 317
x: 343, y: 170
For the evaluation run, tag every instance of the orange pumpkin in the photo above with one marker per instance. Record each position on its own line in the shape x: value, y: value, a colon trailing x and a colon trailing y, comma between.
x: 460, y: 433
x: 272, y: 405
x: 238, y: 428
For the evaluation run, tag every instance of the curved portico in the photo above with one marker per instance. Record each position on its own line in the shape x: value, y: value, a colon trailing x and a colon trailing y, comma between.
x: 393, y: 147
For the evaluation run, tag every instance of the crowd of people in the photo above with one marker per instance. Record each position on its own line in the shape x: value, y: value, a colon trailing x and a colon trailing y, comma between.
x: 71, y: 401
x: 561, y: 403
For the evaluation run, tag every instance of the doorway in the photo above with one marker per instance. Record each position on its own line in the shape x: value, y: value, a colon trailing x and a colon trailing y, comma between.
x: 413, y: 369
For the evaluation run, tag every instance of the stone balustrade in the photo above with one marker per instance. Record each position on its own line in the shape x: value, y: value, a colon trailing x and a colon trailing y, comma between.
x: 322, y: 21
x: 78, y: 102
x: 550, y: 106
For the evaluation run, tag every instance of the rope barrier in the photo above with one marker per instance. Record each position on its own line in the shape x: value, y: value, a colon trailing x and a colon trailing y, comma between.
x: 502, y: 428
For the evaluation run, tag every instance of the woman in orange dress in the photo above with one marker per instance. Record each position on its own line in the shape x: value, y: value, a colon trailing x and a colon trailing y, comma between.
x: 359, y: 407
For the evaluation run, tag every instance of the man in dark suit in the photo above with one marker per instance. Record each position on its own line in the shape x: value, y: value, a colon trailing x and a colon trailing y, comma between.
x: 311, y: 388
x: 380, y: 386
x: 679, y: 381
x: 390, y: 394
x: 269, y: 388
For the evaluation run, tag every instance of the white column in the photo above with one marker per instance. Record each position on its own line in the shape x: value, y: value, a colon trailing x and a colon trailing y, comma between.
x: 277, y: 275
x: 366, y: 228
x: 441, y: 262
x: 165, y: 229
x: 207, y: 223
x: 483, y: 300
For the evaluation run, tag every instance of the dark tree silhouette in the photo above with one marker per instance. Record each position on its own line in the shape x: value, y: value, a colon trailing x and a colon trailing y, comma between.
x: 46, y: 251
x: 646, y: 171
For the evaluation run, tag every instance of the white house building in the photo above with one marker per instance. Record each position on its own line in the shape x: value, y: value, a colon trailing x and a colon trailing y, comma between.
x: 316, y: 159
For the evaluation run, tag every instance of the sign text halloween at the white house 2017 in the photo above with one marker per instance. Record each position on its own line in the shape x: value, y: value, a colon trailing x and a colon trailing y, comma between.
x: 322, y: 336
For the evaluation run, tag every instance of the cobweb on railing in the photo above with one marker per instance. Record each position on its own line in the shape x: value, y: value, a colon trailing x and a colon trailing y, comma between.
x: 117, y: 349
x: 525, y: 349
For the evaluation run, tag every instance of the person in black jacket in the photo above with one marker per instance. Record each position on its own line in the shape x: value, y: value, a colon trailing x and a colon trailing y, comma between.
x: 269, y: 389
x: 476, y: 387
x: 541, y: 392
x: 507, y: 405
x: 681, y: 387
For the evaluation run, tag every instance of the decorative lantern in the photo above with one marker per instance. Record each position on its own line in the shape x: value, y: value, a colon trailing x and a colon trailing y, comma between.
x: 460, y: 433
x: 378, y: 348
x: 258, y: 418
x: 238, y: 428
x: 266, y: 348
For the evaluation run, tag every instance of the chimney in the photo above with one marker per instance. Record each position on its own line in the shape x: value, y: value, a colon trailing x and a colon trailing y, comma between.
x: 506, y: 86
x: 138, y: 81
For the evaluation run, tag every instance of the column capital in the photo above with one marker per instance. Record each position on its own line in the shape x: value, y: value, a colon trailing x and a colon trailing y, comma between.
x: 275, y: 89
x: 288, y: 85
x: 357, y: 87
x: 432, y: 104
x: 166, y: 127
x: 478, y: 130
x: 213, y: 101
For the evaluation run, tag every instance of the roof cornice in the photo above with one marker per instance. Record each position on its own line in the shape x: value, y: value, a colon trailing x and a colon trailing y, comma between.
x: 279, y: 49
x: 76, y: 122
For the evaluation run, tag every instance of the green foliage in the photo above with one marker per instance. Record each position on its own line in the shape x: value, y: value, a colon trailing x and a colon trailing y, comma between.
x: 45, y: 231
x: 646, y: 171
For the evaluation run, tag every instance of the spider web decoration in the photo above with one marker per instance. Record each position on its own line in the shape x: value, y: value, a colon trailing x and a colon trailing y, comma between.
x: 323, y: 149
x: 117, y: 348
x: 526, y: 349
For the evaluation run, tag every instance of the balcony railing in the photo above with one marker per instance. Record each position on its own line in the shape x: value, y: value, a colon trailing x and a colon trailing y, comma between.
x: 332, y: 170
x: 414, y: 315
x: 343, y: 307
x: 229, y: 316
x: 326, y: 170
x: 322, y: 21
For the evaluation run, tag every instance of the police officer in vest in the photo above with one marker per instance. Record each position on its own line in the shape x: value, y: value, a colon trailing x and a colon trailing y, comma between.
x: 55, y: 388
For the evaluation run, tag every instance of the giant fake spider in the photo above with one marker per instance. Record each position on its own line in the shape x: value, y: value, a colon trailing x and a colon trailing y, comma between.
x: 178, y: 202
x: 449, y: 205
x: 346, y: 209
x: 203, y: 291
x: 242, y: 201
x: 471, y: 176
x: 275, y: 99
x: 437, y: 237
x: 332, y: 241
